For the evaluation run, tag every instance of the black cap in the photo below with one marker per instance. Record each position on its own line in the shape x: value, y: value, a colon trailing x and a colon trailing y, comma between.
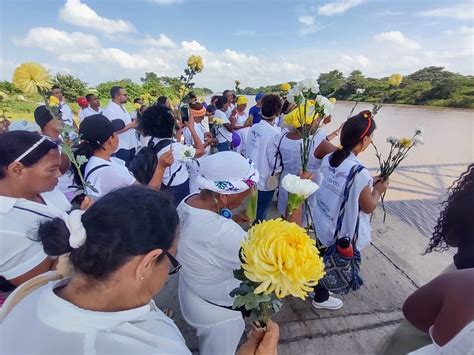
x: 97, y: 129
x: 42, y: 116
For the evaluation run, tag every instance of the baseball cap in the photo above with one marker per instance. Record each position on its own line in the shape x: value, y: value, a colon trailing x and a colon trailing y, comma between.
x: 98, y: 129
x: 42, y: 116
x: 259, y: 96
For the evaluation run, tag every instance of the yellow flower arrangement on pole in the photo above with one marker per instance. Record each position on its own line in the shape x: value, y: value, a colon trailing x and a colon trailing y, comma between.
x: 279, y: 259
x: 31, y: 78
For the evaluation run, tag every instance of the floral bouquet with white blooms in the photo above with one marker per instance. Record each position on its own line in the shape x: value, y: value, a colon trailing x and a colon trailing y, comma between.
x: 298, y: 191
x: 33, y: 79
x: 399, y: 148
x: 308, y: 115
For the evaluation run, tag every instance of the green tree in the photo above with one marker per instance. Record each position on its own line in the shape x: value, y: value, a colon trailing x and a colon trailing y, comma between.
x: 330, y: 82
x: 133, y: 89
x: 71, y: 86
x: 431, y: 74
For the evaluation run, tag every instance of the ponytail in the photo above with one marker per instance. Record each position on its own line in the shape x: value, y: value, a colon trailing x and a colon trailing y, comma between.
x: 54, y: 236
x: 86, y: 149
x: 339, y: 156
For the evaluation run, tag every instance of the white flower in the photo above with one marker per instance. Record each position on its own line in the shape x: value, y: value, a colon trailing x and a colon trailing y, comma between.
x: 326, y: 104
x: 418, y: 140
x: 419, y: 131
x: 81, y: 159
x: 293, y: 94
x: 360, y: 91
x: 217, y: 121
x: 307, y: 85
x: 187, y: 153
x: 301, y: 187
x: 392, y: 140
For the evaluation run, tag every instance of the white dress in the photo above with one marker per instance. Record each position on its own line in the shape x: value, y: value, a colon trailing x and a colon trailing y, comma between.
x: 208, y: 249
x: 55, y: 326
x: 243, y: 132
x: 291, y: 157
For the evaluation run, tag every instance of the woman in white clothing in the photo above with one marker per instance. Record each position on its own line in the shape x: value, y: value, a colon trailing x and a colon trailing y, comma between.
x: 106, y: 306
x: 99, y: 140
x: 224, y: 131
x: 29, y: 172
x: 208, y: 249
x: 356, y: 136
x: 242, y: 125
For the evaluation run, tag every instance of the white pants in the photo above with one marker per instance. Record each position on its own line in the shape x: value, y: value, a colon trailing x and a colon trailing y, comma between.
x: 219, y: 329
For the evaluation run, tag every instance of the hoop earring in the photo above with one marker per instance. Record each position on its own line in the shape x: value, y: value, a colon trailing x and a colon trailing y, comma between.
x: 224, y: 212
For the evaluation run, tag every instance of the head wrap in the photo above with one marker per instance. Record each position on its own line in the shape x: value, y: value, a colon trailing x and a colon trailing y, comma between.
x: 227, y: 173
x: 197, y: 113
x: 77, y: 232
x: 242, y: 100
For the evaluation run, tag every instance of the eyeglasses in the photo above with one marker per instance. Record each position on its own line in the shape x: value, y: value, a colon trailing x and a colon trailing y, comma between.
x: 175, y: 263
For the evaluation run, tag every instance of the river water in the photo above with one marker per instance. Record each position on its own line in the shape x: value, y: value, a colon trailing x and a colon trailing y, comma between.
x: 419, y: 185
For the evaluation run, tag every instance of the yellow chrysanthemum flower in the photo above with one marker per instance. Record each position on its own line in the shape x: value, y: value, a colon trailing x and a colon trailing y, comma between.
x: 195, y: 63
x: 28, y: 77
x: 237, y: 82
x: 395, y: 79
x: 137, y: 106
x: 282, y: 258
x: 53, y: 101
x: 285, y: 87
x: 295, y: 117
x: 332, y: 100
x: 405, y: 142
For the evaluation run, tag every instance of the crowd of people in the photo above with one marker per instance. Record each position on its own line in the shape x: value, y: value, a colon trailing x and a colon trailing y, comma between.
x: 156, y: 193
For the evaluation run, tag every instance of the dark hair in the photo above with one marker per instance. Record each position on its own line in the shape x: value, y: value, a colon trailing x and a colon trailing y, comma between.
x: 221, y: 101
x: 455, y: 226
x: 162, y: 100
x: 137, y: 99
x: 15, y: 143
x: 196, y: 106
x: 225, y: 92
x: 125, y: 223
x: 55, y: 87
x: 114, y: 91
x: 158, y: 121
x: 211, y: 108
x: 89, y: 96
x: 353, y: 132
x: 215, y: 97
x: 271, y: 105
x: 191, y: 96
x: 86, y: 149
x: 285, y: 107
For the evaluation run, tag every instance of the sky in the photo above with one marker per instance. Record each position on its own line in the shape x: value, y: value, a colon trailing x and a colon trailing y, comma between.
x: 258, y: 42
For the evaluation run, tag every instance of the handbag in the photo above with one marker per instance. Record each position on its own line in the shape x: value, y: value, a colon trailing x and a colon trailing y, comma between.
x: 342, y: 273
x: 273, y: 180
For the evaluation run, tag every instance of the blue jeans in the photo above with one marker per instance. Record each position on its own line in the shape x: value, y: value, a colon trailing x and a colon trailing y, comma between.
x: 263, y: 204
x: 223, y: 147
x: 126, y: 155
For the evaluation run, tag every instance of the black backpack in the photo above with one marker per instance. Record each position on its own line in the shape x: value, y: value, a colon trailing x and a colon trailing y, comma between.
x: 144, y: 163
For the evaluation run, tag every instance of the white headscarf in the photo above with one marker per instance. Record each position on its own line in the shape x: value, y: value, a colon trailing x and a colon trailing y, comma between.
x: 227, y: 173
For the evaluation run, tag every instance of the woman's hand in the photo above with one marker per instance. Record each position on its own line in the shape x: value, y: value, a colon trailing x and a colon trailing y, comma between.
x: 306, y: 175
x: 262, y: 341
x: 327, y: 119
x: 165, y: 160
x: 381, y: 184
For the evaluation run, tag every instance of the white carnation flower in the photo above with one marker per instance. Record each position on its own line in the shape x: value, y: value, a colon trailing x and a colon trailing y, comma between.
x: 419, y: 131
x: 418, y: 140
x: 326, y: 104
x: 293, y: 94
x: 360, y: 91
x: 301, y: 187
x: 392, y: 140
x: 308, y: 85
x: 187, y: 153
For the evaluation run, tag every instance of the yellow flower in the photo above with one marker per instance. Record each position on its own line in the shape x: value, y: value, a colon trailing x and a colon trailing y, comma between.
x: 405, y: 142
x: 282, y: 258
x: 28, y: 77
x: 217, y: 121
x: 137, y: 106
x: 237, y: 82
x: 182, y: 90
x: 195, y: 63
x: 53, y: 101
x: 285, y: 87
x: 395, y: 80
x: 332, y: 100
x: 295, y: 117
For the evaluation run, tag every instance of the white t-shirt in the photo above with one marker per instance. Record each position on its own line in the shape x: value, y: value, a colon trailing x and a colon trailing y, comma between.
x: 208, y: 249
x: 127, y: 139
x: 66, y: 114
x: 200, y: 130
x: 18, y: 253
x: 108, y: 178
x: 329, y: 199
x: 88, y: 111
x: 261, y: 148
x: 223, y: 135
x: 193, y: 166
x: 243, y: 132
x: 178, y: 166
x: 55, y: 326
x: 462, y: 343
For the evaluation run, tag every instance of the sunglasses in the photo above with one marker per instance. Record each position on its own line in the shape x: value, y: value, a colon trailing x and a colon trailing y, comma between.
x: 175, y: 263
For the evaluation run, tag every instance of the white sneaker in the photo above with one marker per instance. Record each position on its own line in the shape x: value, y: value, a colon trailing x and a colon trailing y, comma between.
x: 332, y: 303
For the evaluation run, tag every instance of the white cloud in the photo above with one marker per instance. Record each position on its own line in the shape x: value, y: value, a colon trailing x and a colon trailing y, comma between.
x: 77, y: 13
x: 162, y: 41
x: 166, y: 2
x: 306, y: 20
x: 241, y: 58
x: 56, y: 41
x: 338, y: 7
x: 192, y: 46
x: 398, y: 38
x: 125, y: 59
x: 463, y: 11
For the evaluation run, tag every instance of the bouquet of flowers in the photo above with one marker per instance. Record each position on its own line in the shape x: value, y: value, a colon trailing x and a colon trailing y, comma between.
x: 298, y: 191
x: 394, y: 82
x: 278, y: 260
x: 238, y: 90
x: 195, y: 66
x: 307, y: 117
x: 399, y: 148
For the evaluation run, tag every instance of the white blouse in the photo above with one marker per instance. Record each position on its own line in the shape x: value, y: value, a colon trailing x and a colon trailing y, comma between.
x: 208, y: 249
x: 19, y: 220
x: 329, y: 199
x: 55, y: 326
